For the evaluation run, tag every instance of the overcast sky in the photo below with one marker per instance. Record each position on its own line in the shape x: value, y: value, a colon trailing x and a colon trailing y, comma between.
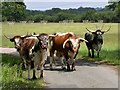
x: 63, y: 4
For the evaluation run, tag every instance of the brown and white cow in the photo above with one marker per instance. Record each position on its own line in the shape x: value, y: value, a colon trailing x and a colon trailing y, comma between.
x: 33, y: 49
x: 66, y: 45
x: 18, y: 40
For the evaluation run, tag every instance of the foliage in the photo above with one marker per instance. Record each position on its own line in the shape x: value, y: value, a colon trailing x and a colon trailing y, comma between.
x: 16, y: 11
x: 13, y: 77
x: 13, y: 11
x: 115, y: 6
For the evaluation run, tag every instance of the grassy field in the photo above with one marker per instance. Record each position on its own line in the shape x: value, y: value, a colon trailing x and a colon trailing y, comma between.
x: 109, y: 52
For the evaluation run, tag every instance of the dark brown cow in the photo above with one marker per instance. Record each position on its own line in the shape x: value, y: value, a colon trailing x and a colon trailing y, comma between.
x: 64, y: 44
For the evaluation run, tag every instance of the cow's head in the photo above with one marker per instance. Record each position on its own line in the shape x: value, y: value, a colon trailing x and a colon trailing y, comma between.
x: 44, y: 39
x: 17, y: 40
x: 98, y: 33
x: 73, y: 43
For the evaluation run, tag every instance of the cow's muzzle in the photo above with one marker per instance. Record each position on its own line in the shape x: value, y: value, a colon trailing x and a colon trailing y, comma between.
x: 75, y: 49
x: 44, y: 46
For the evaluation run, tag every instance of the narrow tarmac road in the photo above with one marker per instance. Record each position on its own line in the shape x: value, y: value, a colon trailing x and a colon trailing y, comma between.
x: 87, y: 75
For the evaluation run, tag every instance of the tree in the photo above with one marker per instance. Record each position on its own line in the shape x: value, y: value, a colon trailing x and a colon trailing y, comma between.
x: 115, y: 6
x: 13, y: 11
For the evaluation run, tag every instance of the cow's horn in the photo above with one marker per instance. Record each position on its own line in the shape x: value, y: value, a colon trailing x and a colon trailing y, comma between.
x: 52, y: 35
x: 23, y: 36
x: 36, y: 35
x: 6, y: 36
x: 65, y: 42
x: 108, y: 29
x: 83, y: 39
x: 90, y: 30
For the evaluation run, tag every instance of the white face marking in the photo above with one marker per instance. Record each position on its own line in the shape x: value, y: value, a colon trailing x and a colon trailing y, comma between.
x: 17, y: 41
x: 75, y: 42
x: 99, y: 33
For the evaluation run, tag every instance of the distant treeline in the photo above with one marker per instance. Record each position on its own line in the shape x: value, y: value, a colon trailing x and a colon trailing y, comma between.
x: 16, y: 11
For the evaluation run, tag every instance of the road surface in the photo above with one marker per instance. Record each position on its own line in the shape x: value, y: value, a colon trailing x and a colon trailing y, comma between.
x: 87, y: 75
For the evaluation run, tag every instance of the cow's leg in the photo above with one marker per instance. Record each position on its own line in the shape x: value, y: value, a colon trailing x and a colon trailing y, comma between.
x: 98, y: 54
x: 51, y: 58
x: 89, y: 54
x: 67, y: 61
x: 73, y: 65
x: 68, y: 66
x: 32, y: 64
x: 62, y: 62
x: 28, y: 71
x: 24, y: 64
x: 92, y: 53
x: 41, y: 72
x: 34, y: 71
x: 51, y: 62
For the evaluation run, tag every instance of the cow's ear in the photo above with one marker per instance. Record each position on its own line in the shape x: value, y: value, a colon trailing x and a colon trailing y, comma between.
x: 93, y: 32
x: 102, y: 32
x: 67, y: 44
x: 12, y: 39
x: 82, y: 40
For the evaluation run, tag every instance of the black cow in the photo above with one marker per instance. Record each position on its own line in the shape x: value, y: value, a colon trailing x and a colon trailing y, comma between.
x: 95, y: 41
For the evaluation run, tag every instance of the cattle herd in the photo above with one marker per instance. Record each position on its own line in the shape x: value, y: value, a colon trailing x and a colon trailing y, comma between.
x: 34, y: 49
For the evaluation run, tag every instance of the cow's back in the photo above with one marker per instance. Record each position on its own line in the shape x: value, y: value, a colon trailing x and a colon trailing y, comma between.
x: 60, y: 39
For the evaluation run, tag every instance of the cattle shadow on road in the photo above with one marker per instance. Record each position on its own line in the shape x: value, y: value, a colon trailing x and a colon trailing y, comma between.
x: 83, y: 62
x: 78, y: 62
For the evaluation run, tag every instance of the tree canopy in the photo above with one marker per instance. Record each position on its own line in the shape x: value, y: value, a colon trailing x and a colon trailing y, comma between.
x: 13, y: 11
x: 16, y: 11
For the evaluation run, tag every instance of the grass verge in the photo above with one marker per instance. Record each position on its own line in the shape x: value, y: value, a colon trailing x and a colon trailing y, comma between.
x: 11, y: 75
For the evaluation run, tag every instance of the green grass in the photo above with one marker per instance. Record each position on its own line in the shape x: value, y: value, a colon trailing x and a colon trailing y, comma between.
x: 109, y: 52
x: 11, y: 75
x: 77, y: 28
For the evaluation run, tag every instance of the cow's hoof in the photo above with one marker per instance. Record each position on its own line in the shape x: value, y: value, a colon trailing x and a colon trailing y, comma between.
x: 73, y: 69
x: 51, y: 68
x: 28, y: 78
x: 92, y: 57
x: 63, y: 68
x: 68, y: 69
x: 41, y: 76
x: 34, y: 78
